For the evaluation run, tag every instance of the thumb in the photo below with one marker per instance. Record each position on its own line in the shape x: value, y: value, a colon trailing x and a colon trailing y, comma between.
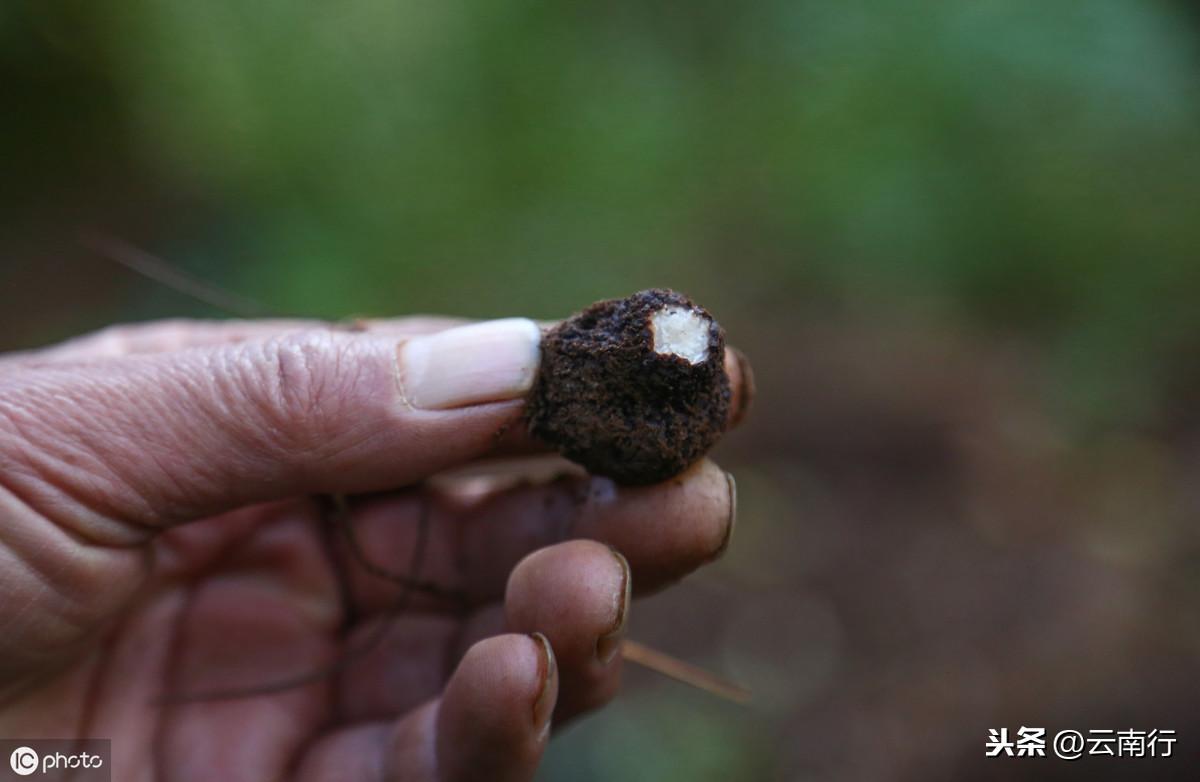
x: 152, y: 440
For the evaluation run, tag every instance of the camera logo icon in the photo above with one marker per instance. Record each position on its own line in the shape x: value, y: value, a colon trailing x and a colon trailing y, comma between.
x: 23, y: 761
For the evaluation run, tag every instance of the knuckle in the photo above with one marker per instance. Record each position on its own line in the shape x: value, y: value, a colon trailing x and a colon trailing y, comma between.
x: 111, y: 341
x: 303, y: 375
x: 125, y: 339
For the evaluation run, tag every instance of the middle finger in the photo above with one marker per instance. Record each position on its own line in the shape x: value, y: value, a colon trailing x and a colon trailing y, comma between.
x: 665, y: 531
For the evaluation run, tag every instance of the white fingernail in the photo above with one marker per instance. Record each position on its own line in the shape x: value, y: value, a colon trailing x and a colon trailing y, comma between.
x: 484, y: 362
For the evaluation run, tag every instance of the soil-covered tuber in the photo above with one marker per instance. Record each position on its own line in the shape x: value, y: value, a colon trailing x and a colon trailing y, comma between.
x: 634, y: 389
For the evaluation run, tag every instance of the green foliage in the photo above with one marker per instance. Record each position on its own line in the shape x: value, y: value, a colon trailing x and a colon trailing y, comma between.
x: 679, y: 737
x: 1007, y: 163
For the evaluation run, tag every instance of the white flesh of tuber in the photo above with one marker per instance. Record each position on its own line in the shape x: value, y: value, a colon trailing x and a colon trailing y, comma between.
x: 680, y: 332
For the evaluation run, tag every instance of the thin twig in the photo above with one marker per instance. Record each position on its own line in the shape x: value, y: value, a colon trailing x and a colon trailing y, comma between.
x: 151, y: 266
x: 689, y: 674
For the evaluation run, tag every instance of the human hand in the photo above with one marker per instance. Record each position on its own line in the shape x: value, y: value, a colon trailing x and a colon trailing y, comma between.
x: 162, y: 534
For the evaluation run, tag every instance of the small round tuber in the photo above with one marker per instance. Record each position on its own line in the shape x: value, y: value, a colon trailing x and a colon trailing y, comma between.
x: 634, y: 389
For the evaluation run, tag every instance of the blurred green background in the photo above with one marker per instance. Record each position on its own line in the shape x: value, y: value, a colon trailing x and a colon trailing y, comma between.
x: 958, y: 240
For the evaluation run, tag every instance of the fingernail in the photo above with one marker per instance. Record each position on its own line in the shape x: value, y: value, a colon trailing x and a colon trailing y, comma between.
x: 483, y: 362
x: 609, y: 644
x: 731, y: 523
x: 746, y: 387
x: 543, y: 707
